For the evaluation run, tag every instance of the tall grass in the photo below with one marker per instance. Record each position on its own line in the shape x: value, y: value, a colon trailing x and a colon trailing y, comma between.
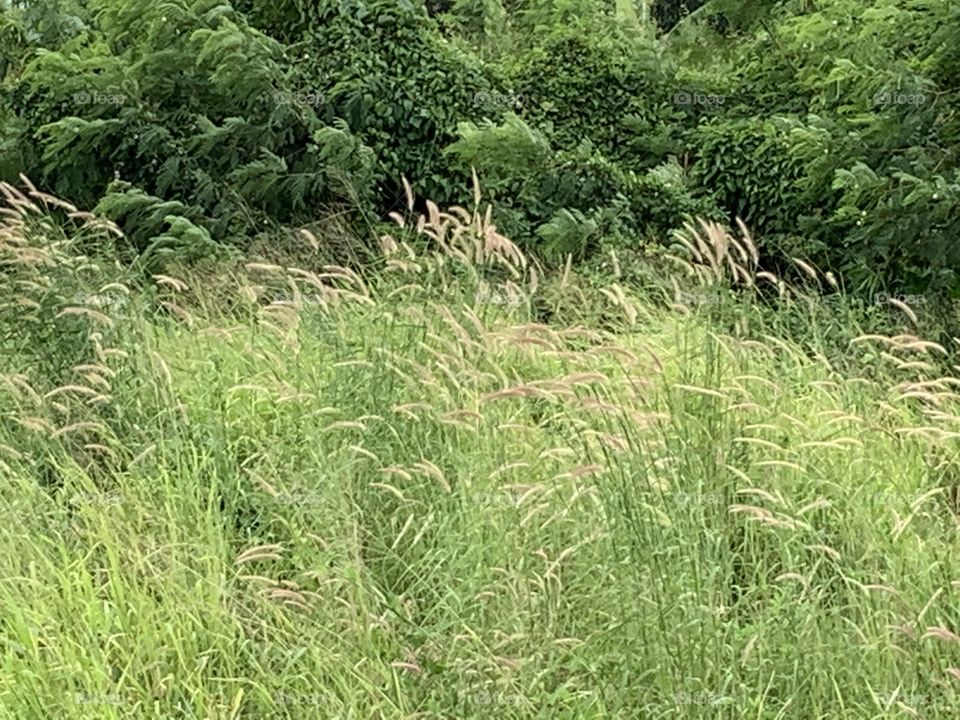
x: 402, y: 496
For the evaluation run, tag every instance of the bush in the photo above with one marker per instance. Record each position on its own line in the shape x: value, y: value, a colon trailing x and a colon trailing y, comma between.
x: 192, y: 107
x: 745, y: 164
x: 668, y: 13
x: 837, y: 139
x: 574, y: 201
x: 384, y: 67
x: 591, y: 82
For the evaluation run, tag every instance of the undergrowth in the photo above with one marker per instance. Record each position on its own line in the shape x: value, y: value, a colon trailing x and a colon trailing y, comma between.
x: 459, y: 487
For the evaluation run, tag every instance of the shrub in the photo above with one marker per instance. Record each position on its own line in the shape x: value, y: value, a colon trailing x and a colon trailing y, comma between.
x: 668, y: 13
x: 598, y: 83
x: 574, y: 200
x: 745, y: 164
x: 385, y: 68
x: 860, y: 171
x: 196, y: 110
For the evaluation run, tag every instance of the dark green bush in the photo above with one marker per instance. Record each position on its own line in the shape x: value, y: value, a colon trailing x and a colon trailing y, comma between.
x: 668, y: 13
x: 587, y: 82
x: 194, y: 122
x: 837, y: 138
x: 195, y: 109
x: 746, y: 166
x: 386, y: 69
x: 572, y: 201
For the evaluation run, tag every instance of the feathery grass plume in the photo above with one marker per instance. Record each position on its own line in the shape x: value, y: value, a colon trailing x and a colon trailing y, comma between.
x: 781, y: 464
x: 694, y: 251
x: 833, y: 554
x: 390, y: 489
x: 841, y: 443
x: 924, y: 346
x: 172, y: 282
x: 941, y: 633
x: 18, y: 202
x: 703, y: 248
x: 35, y: 424
x: 807, y: 269
x: 394, y: 470
x: 701, y: 391
x: 457, y: 416
x: 768, y: 276
x: 747, y: 241
x: 797, y: 577
x: 408, y: 192
x: 260, y: 552
x: 81, y: 426
x: 582, y: 470
x: 759, y: 492
x: 67, y: 389
x: 905, y: 308
x: 759, y: 442
x: 179, y: 312
x: 815, y: 505
x: 22, y: 387
x: 428, y: 468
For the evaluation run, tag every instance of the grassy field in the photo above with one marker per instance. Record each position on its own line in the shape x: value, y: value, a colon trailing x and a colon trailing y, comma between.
x: 405, y: 496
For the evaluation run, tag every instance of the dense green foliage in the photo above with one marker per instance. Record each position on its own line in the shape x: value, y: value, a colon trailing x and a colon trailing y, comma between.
x: 194, y: 112
x: 831, y: 128
x: 571, y: 199
x: 864, y: 100
x: 399, y: 84
x: 615, y: 91
x: 285, y: 439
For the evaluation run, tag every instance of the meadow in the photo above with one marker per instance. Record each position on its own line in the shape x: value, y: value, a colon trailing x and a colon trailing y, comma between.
x: 460, y: 487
